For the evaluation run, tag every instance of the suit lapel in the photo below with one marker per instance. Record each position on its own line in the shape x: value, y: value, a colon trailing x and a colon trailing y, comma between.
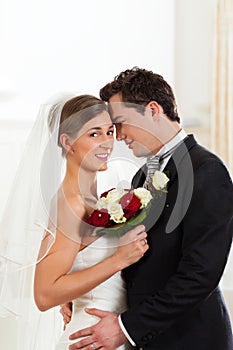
x: 177, y: 157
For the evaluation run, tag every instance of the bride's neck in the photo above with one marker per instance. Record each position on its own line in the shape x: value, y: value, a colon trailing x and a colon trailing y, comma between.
x: 80, y: 181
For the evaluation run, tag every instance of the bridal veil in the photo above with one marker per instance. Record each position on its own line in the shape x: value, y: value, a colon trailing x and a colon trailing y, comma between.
x: 27, y: 216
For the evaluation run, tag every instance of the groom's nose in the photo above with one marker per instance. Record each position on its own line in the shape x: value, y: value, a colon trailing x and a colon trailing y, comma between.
x: 119, y: 132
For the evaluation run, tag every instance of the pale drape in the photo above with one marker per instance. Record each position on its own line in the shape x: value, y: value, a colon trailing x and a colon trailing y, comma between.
x: 222, y: 98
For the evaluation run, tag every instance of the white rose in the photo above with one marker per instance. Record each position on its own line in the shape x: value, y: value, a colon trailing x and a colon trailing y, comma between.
x: 159, y: 180
x: 144, y: 195
x: 116, y: 212
x: 101, y: 204
x: 115, y: 195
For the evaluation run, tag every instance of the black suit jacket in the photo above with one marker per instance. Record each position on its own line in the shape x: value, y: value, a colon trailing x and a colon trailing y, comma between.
x: 173, y: 295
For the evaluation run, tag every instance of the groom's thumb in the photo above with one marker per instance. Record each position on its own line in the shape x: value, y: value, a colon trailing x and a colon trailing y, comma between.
x: 97, y: 312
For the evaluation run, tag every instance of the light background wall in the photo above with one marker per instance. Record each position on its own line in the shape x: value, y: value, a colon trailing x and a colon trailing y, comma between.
x: 49, y: 47
x: 194, y: 38
x: 58, y: 46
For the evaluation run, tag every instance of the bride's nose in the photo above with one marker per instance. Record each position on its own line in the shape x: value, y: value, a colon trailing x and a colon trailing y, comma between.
x: 108, y: 144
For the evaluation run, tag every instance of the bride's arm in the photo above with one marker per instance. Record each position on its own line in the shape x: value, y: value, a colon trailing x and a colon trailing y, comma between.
x: 54, y: 285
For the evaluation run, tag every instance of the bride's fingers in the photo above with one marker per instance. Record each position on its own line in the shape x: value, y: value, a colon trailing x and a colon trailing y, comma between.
x: 138, y: 231
x: 65, y: 323
x: 135, y: 234
x: 65, y: 310
x: 143, y: 241
x: 66, y: 318
x: 142, y: 244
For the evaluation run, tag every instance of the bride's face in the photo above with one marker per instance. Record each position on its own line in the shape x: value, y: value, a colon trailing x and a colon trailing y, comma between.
x: 94, y: 143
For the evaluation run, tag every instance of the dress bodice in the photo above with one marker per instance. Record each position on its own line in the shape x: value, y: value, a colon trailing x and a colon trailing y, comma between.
x: 109, y: 295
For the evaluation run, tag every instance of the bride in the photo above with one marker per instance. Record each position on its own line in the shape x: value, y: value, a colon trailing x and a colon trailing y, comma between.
x: 77, y: 265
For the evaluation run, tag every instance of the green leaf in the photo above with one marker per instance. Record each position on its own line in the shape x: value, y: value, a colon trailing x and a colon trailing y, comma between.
x: 121, y: 229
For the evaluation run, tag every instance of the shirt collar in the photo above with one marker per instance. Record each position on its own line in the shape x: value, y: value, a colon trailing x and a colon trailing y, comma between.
x: 173, y: 142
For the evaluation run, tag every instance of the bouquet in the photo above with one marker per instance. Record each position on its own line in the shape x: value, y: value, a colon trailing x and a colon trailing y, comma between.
x: 119, y: 210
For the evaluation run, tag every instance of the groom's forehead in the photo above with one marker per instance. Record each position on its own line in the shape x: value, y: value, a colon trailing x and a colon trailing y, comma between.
x: 118, y: 109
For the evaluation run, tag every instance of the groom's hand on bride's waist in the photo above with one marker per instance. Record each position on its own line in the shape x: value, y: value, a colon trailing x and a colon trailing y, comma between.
x: 105, y: 334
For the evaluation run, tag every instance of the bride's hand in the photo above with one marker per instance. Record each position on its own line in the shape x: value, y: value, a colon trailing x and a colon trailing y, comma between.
x: 132, y: 247
x: 66, y: 312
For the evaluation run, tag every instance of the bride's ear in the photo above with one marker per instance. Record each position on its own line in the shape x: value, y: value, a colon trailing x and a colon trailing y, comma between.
x: 66, y: 143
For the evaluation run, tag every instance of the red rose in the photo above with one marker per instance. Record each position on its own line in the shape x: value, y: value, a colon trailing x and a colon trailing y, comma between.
x: 130, y: 204
x: 100, y: 218
x: 104, y: 194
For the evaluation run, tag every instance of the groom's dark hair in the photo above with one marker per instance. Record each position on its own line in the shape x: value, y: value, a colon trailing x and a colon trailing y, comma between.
x: 140, y: 86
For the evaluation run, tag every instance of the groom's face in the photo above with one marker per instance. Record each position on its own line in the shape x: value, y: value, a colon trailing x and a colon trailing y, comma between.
x: 132, y: 127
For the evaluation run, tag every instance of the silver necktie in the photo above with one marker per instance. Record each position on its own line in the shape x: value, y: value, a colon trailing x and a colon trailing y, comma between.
x: 153, y: 164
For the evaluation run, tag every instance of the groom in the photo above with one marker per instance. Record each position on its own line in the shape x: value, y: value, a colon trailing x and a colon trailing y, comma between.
x: 174, y: 300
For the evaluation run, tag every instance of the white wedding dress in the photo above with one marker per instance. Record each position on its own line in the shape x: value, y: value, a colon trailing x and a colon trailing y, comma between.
x: 109, y: 295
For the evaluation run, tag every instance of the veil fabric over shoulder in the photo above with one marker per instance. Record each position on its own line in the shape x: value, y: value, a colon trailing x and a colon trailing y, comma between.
x: 30, y: 212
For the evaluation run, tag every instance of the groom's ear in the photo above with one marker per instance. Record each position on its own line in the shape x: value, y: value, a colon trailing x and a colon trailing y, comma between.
x: 155, y: 108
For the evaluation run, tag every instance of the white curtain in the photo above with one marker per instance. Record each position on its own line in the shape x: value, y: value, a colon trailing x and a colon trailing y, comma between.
x: 222, y: 98
x: 222, y: 101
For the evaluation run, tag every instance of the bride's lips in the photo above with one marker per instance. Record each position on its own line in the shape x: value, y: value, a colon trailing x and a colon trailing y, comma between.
x: 102, y: 156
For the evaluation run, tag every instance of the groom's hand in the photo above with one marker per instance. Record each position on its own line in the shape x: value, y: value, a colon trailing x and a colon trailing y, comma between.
x: 105, y: 334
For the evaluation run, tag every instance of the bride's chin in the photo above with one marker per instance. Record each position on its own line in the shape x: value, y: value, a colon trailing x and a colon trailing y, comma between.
x: 103, y: 167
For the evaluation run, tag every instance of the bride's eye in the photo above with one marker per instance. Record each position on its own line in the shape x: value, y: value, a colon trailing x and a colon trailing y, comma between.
x: 110, y: 132
x: 94, y: 134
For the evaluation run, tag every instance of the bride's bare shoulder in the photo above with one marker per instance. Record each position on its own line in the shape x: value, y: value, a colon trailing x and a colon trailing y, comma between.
x: 72, y: 215
x: 70, y: 204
